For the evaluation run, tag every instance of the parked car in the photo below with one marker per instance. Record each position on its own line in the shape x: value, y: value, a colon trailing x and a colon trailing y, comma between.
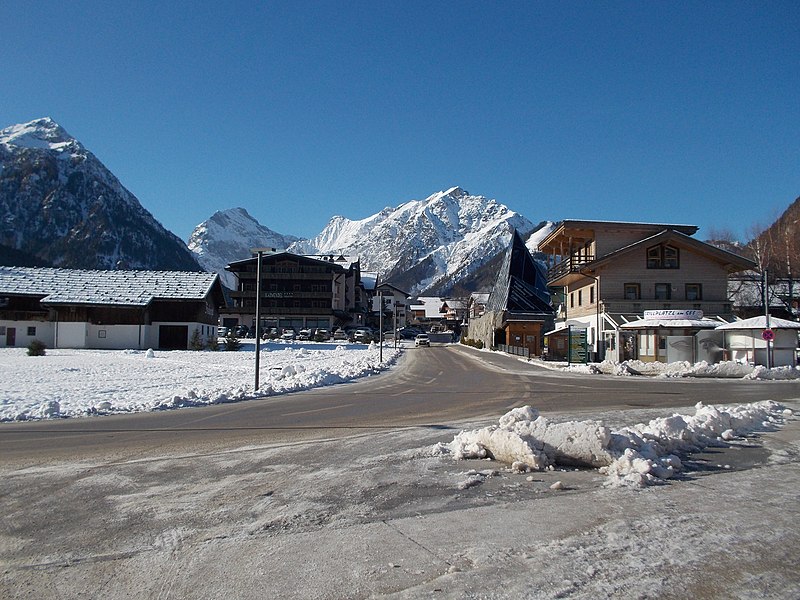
x: 422, y: 340
x: 242, y: 331
x: 321, y: 335
x: 304, y: 335
x: 340, y: 334
x: 288, y: 334
x: 362, y: 335
x: 408, y: 333
x: 222, y: 332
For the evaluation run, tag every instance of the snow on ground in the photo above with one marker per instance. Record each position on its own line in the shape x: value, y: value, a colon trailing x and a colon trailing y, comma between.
x: 75, y: 383
x: 727, y: 369
x: 637, y: 456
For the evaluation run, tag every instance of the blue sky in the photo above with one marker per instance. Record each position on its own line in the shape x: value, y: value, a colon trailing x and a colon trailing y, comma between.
x: 298, y: 111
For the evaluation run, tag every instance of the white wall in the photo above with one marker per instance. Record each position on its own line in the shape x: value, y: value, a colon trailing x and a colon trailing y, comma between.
x: 114, y: 337
x: 71, y: 335
x: 44, y: 332
x: 748, y: 345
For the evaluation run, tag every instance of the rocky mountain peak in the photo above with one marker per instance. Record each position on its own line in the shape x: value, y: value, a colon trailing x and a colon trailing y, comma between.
x: 42, y: 133
x: 61, y: 205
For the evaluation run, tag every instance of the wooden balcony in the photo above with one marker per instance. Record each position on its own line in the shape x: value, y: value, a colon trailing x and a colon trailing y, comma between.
x: 568, y: 266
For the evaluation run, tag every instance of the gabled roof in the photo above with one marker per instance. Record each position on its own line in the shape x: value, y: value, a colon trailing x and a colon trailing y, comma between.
x: 566, y: 228
x: 328, y: 260
x: 119, y: 288
x: 432, y: 305
x: 521, y: 284
x: 732, y: 262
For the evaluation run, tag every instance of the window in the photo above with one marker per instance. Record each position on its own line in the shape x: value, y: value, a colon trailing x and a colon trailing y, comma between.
x: 663, y: 291
x: 694, y: 291
x: 654, y: 257
x: 663, y: 257
x: 670, y: 257
x: 572, y: 299
x: 633, y: 291
x: 591, y: 295
x: 580, y: 297
x: 31, y: 331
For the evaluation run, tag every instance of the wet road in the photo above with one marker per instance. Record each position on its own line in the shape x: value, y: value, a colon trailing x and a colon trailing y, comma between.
x: 432, y: 387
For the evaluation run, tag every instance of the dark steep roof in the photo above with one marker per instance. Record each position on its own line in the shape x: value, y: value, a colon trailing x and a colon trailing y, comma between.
x: 94, y: 287
x: 521, y: 284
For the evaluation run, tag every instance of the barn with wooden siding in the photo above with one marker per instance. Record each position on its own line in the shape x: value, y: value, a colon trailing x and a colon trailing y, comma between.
x: 74, y: 308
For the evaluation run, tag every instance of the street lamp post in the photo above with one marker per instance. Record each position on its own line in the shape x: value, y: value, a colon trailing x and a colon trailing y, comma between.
x: 259, y: 253
x: 380, y: 326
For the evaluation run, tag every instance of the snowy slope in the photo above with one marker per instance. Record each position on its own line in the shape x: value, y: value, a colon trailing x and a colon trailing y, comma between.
x: 229, y: 235
x: 61, y: 205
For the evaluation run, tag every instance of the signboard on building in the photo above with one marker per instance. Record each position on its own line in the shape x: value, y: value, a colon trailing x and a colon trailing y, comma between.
x: 689, y: 314
x: 578, y: 346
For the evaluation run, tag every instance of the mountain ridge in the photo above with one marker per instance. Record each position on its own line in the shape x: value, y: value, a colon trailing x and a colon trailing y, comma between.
x: 61, y: 205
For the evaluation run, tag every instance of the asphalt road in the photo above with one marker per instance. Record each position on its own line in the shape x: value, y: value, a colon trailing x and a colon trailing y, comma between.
x: 438, y: 386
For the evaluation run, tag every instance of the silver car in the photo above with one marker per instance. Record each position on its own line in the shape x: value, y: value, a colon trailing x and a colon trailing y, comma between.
x: 422, y: 340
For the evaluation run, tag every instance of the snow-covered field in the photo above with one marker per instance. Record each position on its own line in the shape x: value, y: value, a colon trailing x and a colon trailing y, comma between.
x: 75, y: 383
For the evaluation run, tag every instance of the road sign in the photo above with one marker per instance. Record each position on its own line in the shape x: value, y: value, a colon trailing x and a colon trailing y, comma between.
x: 768, y: 335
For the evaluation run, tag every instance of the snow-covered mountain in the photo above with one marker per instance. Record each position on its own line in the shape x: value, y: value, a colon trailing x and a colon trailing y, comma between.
x: 228, y: 236
x: 430, y: 245
x: 427, y: 245
x: 61, y: 205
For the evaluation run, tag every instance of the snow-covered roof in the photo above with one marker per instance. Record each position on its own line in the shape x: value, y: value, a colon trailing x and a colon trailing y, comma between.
x: 455, y: 304
x: 121, y: 288
x: 760, y: 322
x: 432, y: 305
x: 671, y: 324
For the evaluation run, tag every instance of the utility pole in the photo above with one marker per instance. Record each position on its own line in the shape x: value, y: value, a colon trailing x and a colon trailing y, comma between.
x: 767, y: 323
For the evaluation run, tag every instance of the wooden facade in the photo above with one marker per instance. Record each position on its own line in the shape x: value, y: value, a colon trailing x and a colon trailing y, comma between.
x: 74, y: 308
x: 607, y: 273
x: 297, y: 292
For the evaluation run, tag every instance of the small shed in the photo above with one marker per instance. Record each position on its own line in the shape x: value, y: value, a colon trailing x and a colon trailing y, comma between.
x: 670, y: 336
x: 746, y: 340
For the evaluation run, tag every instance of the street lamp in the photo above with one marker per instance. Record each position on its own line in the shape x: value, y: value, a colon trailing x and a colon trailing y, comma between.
x: 259, y: 252
x: 380, y: 327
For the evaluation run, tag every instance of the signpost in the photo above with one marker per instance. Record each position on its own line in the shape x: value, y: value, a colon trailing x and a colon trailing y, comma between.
x: 577, y: 346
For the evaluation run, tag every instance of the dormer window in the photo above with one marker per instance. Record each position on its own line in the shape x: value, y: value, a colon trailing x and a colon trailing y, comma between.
x: 663, y: 256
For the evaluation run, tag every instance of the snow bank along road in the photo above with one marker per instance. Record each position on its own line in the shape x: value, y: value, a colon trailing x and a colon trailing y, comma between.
x: 336, y: 493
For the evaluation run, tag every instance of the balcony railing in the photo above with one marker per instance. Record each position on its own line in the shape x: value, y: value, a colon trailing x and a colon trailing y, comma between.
x: 639, y: 306
x: 571, y: 264
x: 271, y: 295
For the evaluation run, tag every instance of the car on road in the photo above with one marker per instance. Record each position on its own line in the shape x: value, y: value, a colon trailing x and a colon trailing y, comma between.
x: 422, y: 340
